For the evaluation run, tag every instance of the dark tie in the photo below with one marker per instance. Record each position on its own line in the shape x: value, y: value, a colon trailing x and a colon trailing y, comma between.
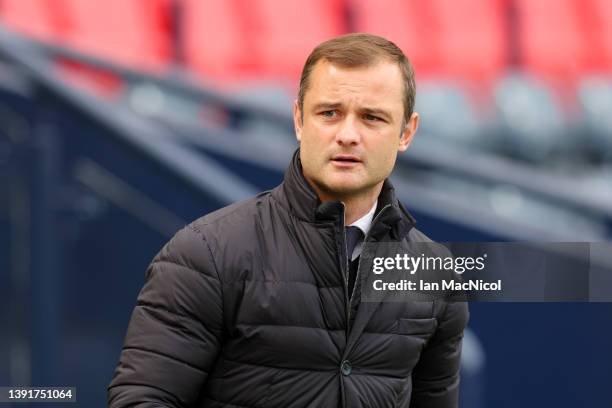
x: 353, y: 236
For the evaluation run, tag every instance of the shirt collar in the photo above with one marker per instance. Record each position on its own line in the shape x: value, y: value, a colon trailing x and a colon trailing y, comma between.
x: 364, y: 223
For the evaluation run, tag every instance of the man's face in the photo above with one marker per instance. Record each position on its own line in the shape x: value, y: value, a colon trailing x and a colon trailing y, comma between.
x: 352, y: 128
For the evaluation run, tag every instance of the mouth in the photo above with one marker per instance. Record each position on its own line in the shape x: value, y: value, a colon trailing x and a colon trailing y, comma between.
x: 345, y: 160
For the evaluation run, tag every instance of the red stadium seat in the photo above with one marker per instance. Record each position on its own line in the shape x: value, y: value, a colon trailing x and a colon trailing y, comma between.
x: 289, y: 30
x: 215, y: 45
x: 552, y: 43
x: 598, y: 25
x: 29, y: 17
x: 249, y: 39
x: 460, y: 38
x: 472, y: 38
x: 411, y: 25
x: 130, y: 32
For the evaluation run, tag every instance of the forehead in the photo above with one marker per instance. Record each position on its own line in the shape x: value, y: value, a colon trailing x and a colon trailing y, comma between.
x: 379, y: 85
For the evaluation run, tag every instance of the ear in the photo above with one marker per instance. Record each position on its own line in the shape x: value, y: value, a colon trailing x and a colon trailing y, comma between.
x: 409, y: 132
x: 297, y: 120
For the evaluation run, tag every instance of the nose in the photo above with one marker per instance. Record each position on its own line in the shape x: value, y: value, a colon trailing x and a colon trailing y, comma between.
x: 348, y: 134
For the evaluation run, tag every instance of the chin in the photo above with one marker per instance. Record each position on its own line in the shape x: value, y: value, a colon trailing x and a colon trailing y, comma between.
x: 344, y: 188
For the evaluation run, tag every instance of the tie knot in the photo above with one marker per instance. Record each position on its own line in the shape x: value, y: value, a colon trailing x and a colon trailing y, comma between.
x: 353, y: 236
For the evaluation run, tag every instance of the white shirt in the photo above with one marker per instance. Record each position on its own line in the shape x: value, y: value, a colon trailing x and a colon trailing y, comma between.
x: 364, y: 223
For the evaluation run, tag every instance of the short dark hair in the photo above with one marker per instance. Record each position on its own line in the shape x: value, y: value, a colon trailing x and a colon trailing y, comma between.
x: 360, y: 50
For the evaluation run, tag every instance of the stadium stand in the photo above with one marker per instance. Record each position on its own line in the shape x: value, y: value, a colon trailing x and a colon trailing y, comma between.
x: 601, y: 34
x: 463, y: 127
x: 529, y: 118
x: 595, y: 99
x: 406, y: 24
x: 463, y: 39
x: 131, y: 32
x: 256, y: 40
x: 553, y: 43
x: 28, y: 17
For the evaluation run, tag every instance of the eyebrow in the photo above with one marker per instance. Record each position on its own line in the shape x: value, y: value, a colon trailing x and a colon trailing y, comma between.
x: 327, y: 105
x: 336, y: 105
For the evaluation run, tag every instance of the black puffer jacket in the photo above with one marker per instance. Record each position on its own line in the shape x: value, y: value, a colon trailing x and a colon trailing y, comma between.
x: 247, y: 307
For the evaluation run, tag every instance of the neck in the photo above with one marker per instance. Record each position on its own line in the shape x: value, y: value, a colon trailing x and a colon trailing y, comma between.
x: 354, y: 210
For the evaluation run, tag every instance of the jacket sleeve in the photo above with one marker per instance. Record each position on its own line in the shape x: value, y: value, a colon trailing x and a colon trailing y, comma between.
x: 174, y: 335
x: 435, y: 379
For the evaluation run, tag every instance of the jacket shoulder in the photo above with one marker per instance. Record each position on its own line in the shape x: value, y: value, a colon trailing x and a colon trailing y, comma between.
x: 230, y: 235
x: 239, y: 211
x: 428, y: 244
x: 415, y: 235
x: 195, y: 243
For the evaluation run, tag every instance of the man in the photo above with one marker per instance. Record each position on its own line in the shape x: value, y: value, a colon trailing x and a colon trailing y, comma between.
x: 258, y: 304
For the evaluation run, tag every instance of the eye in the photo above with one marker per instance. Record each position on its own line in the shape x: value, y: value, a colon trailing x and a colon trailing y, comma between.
x: 328, y: 113
x: 371, y: 118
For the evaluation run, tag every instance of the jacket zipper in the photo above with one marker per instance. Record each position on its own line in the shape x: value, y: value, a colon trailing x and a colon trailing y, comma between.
x: 365, y: 239
x: 346, y: 269
x: 346, y: 275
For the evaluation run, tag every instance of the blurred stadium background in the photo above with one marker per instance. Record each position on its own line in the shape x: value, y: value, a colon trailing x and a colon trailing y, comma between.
x: 121, y: 120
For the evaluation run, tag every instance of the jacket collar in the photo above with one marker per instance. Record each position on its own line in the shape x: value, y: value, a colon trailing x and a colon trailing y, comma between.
x: 297, y: 195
